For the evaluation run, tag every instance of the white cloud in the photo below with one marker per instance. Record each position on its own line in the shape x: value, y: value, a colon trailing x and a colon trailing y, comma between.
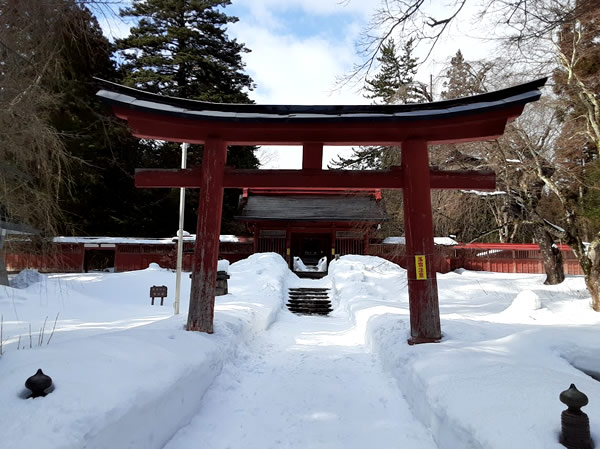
x: 293, y: 70
x: 289, y: 68
x: 267, y: 9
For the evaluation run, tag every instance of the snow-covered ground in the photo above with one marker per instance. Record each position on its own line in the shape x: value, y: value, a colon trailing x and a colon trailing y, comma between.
x: 127, y: 375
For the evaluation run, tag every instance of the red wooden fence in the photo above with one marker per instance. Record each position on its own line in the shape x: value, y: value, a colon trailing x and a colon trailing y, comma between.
x: 71, y: 257
x: 496, y: 257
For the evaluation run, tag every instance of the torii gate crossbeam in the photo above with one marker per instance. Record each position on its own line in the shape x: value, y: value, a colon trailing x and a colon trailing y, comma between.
x: 413, y: 127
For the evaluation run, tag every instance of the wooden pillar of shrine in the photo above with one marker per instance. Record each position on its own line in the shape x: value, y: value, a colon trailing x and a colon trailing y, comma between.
x: 418, y: 227
x: 312, y: 156
x: 206, y: 255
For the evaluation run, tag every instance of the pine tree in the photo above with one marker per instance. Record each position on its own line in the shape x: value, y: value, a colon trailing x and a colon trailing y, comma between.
x: 385, y: 84
x: 180, y: 48
x: 394, y: 83
x: 462, y: 79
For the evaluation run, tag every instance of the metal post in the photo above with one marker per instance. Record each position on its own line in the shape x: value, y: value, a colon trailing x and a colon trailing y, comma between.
x: 184, y: 148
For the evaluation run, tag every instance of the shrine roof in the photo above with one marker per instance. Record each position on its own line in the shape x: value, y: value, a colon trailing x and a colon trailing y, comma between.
x: 349, y: 208
x: 131, y: 98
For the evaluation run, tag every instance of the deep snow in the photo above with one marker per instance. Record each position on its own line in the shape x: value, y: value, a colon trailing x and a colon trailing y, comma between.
x: 128, y: 376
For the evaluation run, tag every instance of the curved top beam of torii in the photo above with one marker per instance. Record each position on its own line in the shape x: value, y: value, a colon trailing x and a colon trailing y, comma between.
x: 475, y: 118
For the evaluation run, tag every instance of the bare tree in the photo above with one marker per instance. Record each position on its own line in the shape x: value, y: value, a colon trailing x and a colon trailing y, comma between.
x: 518, y: 21
x: 33, y: 161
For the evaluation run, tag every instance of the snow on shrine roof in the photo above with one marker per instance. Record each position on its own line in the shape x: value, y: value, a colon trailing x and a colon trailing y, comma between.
x: 136, y: 241
x: 312, y: 208
x: 445, y: 241
x: 118, y: 95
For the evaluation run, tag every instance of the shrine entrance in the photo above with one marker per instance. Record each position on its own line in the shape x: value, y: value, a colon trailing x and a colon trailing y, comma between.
x: 412, y: 127
x: 310, y: 247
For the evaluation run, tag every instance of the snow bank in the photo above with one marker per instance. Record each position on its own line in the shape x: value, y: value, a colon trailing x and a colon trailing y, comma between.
x: 510, y: 346
x: 26, y: 278
x: 128, y: 388
x: 526, y: 303
x: 365, y: 281
x: 128, y: 375
x: 223, y: 265
x: 301, y: 267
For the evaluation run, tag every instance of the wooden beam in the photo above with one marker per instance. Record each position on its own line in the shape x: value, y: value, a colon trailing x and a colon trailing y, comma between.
x: 312, y: 179
x: 312, y: 156
x: 467, y: 127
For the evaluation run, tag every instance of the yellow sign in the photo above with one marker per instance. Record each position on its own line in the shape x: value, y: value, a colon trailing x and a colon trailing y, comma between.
x: 287, y: 251
x: 333, y: 251
x: 421, y: 267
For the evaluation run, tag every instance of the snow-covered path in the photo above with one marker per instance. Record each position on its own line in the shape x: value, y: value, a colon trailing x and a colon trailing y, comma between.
x: 303, y: 384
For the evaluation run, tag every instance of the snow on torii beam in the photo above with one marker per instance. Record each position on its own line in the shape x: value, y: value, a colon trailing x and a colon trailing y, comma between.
x: 217, y: 126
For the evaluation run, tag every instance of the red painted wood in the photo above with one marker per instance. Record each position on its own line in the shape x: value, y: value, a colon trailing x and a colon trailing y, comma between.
x: 308, y: 191
x: 315, y: 179
x: 460, y: 128
x: 507, y: 246
x: 210, y: 206
x: 418, y: 221
x: 256, y: 232
x: 312, y: 156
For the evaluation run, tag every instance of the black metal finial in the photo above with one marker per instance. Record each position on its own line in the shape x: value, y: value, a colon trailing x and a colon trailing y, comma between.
x: 575, y: 424
x: 38, y: 384
x: 573, y: 398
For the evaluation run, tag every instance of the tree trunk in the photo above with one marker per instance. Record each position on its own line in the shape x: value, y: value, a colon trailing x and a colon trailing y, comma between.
x: 592, y: 282
x: 3, y: 272
x: 551, y: 255
x: 592, y: 273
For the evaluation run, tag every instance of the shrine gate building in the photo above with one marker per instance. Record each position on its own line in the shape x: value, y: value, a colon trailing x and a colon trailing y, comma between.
x: 311, y: 224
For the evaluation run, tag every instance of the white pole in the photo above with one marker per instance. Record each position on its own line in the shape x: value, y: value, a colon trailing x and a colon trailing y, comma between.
x: 184, y: 147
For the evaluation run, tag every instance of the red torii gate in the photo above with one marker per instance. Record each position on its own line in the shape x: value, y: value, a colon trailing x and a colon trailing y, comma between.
x: 413, y: 127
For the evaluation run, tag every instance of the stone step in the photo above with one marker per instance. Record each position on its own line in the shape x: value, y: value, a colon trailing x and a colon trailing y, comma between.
x: 311, y: 311
x: 309, y: 301
x: 302, y: 289
x: 309, y: 306
x: 308, y: 296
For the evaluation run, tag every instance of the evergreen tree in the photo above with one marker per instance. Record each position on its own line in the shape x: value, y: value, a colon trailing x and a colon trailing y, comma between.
x: 385, y: 84
x: 394, y: 83
x: 180, y: 48
x: 461, y: 79
x: 102, y: 151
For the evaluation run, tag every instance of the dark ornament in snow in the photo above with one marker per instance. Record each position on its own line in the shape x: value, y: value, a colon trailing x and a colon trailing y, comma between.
x: 38, y: 384
x: 575, y: 424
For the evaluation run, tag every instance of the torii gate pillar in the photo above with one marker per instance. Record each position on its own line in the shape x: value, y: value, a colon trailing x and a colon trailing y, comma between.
x: 206, y: 254
x: 418, y: 228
